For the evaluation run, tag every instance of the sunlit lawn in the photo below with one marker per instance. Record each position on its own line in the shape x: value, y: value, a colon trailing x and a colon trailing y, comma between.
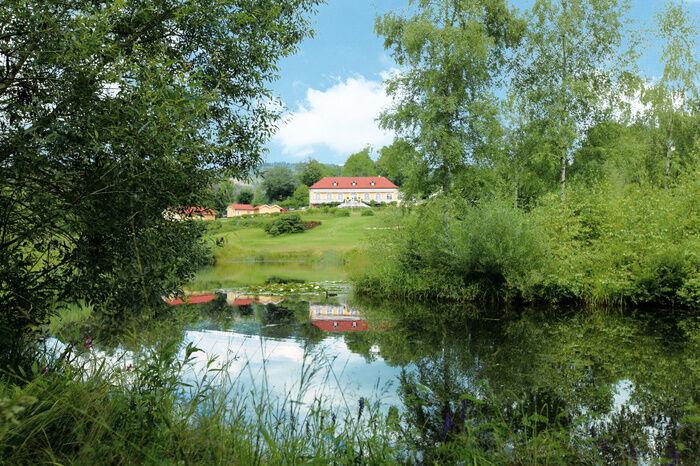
x: 250, y: 256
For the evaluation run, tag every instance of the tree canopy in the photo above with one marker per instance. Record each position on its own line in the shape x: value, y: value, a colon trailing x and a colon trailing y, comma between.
x: 360, y: 164
x: 110, y: 113
x: 279, y: 183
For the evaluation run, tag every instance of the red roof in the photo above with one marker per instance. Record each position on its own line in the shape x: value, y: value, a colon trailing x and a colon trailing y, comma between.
x: 258, y: 206
x: 205, y: 298
x: 346, y: 182
x: 341, y: 325
x: 241, y: 206
x: 242, y: 302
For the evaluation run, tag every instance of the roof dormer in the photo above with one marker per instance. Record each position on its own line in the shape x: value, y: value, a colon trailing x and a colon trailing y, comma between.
x: 354, y: 182
x: 372, y: 182
x: 335, y: 182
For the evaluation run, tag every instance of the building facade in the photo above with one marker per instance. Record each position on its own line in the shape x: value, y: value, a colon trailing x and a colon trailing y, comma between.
x: 236, y: 210
x: 267, y: 209
x: 335, y: 190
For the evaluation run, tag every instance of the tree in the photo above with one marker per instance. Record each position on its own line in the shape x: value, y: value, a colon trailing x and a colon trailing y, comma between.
x: 310, y: 172
x: 451, y: 53
x: 568, y: 68
x: 360, y: 164
x: 671, y: 101
x: 245, y: 196
x: 279, y: 183
x: 395, y: 160
x: 111, y: 112
x: 301, y: 196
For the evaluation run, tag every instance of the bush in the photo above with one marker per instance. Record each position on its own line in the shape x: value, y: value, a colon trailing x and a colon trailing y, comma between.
x: 342, y: 213
x: 288, y: 223
x: 367, y: 213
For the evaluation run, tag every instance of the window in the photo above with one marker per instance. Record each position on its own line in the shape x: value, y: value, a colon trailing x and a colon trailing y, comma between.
x: 388, y: 196
x: 378, y: 197
x: 318, y: 196
x: 329, y: 196
x: 339, y: 196
x: 354, y: 324
x: 366, y: 196
x: 354, y: 196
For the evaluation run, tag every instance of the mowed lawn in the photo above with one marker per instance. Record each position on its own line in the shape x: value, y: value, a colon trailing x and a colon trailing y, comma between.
x: 250, y: 257
x: 338, y: 234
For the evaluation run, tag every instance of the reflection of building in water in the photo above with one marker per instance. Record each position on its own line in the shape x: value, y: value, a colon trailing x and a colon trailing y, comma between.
x: 336, y: 318
x: 235, y: 299
x: 193, y: 298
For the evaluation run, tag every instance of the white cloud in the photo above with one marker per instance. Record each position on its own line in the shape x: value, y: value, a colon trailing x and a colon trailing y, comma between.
x: 341, y: 118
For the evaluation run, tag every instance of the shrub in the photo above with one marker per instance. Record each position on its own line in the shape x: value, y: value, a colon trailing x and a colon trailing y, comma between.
x: 289, y: 223
x: 342, y: 213
x: 367, y: 213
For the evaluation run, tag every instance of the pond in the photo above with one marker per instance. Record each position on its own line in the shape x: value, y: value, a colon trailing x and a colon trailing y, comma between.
x: 621, y: 384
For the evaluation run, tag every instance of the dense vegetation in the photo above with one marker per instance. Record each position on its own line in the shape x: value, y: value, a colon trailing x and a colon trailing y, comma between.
x: 623, y: 228
x: 628, y: 245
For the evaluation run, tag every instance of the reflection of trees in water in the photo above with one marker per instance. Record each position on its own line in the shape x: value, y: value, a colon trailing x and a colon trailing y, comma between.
x: 525, y: 377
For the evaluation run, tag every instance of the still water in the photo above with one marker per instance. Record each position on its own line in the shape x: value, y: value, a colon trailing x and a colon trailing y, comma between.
x: 627, y: 382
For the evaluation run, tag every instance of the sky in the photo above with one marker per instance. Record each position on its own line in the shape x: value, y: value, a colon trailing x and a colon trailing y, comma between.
x: 333, y: 87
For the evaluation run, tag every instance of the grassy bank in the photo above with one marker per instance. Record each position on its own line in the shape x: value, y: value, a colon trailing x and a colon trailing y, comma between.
x: 606, y: 245
x: 247, y: 255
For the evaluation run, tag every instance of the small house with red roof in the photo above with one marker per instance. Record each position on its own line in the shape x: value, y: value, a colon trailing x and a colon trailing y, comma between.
x: 334, y: 190
x: 267, y: 209
x: 236, y: 210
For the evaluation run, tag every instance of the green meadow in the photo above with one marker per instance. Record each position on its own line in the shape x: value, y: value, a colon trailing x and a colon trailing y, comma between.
x: 246, y: 255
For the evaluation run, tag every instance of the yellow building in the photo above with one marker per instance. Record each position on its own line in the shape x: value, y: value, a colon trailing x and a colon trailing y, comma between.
x: 236, y: 210
x: 267, y: 209
x: 342, y: 189
x: 189, y: 213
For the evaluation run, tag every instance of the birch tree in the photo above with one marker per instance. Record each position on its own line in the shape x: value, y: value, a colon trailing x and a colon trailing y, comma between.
x: 568, y: 68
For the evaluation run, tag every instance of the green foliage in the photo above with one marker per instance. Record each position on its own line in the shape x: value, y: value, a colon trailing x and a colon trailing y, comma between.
x: 342, y: 212
x: 395, y: 161
x: 145, y: 105
x: 367, y: 212
x: 245, y: 196
x: 310, y: 172
x: 607, y: 245
x: 360, y: 164
x: 450, y: 54
x: 289, y: 223
x: 279, y: 183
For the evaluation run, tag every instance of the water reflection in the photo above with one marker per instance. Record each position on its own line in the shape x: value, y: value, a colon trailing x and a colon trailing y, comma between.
x: 614, y: 387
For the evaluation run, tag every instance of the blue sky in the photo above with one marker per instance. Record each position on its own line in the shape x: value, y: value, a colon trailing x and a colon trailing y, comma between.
x: 333, y: 86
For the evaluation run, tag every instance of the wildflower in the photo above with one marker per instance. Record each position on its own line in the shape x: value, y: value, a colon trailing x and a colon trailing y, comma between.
x: 448, y: 425
x: 362, y: 407
x: 129, y: 368
x: 88, y: 342
x: 592, y: 431
x: 45, y: 371
x: 633, y: 452
x: 674, y: 454
x: 463, y: 413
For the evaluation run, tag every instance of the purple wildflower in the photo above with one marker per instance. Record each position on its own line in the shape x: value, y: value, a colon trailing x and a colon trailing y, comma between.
x: 45, y: 371
x: 592, y: 431
x: 448, y: 425
x: 633, y: 452
x: 463, y: 412
x: 362, y: 407
x: 129, y: 368
x: 674, y: 454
